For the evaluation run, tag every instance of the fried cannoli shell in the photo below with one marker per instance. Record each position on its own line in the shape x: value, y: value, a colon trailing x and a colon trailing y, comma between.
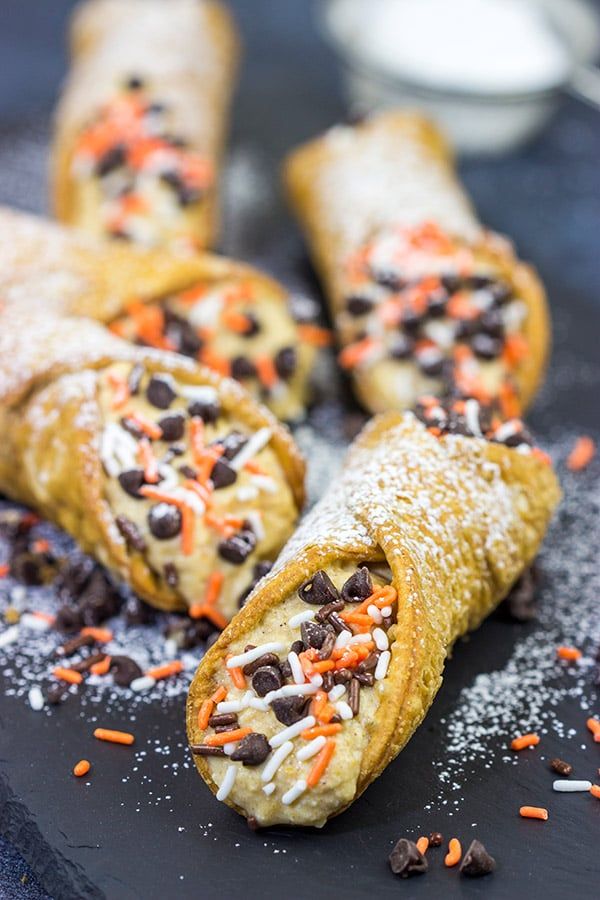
x: 456, y: 519
x: 186, y: 49
x: 47, y: 268
x: 396, y: 169
x: 50, y: 421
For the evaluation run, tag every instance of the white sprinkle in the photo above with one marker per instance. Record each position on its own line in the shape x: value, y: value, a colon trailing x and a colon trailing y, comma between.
x: 297, y: 673
x: 9, y: 636
x: 255, y: 519
x: 228, y: 749
x: 171, y: 648
x: 343, y: 639
x: 294, y: 792
x: 36, y: 698
x: 566, y: 787
x: 360, y: 639
x: 381, y: 639
x: 344, y: 710
x: 472, y: 417
x: 291, y: 690
x: 269, y: 788
x: 375, y: 614
x: 242, y: 659
x: 292, y: 731
x: 265, y: 483
x: 300, y: 617
x: 204, y: 393
x: 316, y: 680
x: 386, y: 611
x: 235, y: 706
x: 227, y: 783
x: 142, y: 684
x: 336, y: 692
x: 254, y: 445
x: 258, y: 703
x: 246, y: 493
x: 311, y: 749
x: 34, y: 623
x: 275, y: 761
x: 382, y: 665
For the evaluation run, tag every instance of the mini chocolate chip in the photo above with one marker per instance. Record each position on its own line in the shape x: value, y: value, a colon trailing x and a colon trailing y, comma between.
x: 338, y: 623
x: 267, y: 659
x: 451, y: 283
x: 252, y: 750
x: 436, y: 839
x: 160, y: 392
x: 99, y: 600
x: 208, y: 412
x: 237, y: 548
x: 402, y: 346
x: 492, y: 323
x: 222, y: 475
x: 358, y: 587
x: 232, y: 443
x: 359, y: 306
x: 411, y: 319
x: 389, y: 280
x: 86, y: 664
x: 501, y: 292
x: 242, y: 367
x: 285, y: 362
x: 485, y: 346
x: 252, y: 325
x: 318, y: 590
x: 477, y: 861
x: 188, y: 472
x: 182, y: 335
x: 286, y: 670
x: 406, y: 859
x: 131, y: 481
x: 171, y: 574
x: 561, y: 767
x: 56, y: 693
x: 124, y: 670
x: 436, y: 303
x: 265, y: 679
x: 164, y: 521
x: 288, y: 710
x: 134, y: 83
x: 75, y: 644
x: 313, y: 635
x: 110, y: 160
x: 172, y: 427
x: 431, y: 362
x: 298, y: 647
x: 131, y: 533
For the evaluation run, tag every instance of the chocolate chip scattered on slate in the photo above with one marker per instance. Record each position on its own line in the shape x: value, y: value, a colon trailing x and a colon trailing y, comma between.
x: 485, y: 346
x: 561, y: 767
x: 131, y: 481
x: 285, y: 362
x: 318, y: 590
x: 222, y: 475
x: 135, y: 379
x: 477, y: 861
x: 68, y: 619
x: 238, y: 547
x: 160, y: 392
x: 124, y: 670
x: 137, y: 612
x: 164, y: 521
x: 171, y: 574
x: 267, y: 659
x: 98, y: 600
x: 172, y: 426
x: 359, y: 306
x: 358, y: 587
x: 521, y: 603
x: 242, y: 367
x: 406, y: 859
x: 208, y: 412
x: 313, y: 635
x: 76, y: 643
x: 131, y: 533
x: 265, y: 679
x: 252, y: 750
x: 436, y: 839
x: 56, y: 694
x: 288, y: 710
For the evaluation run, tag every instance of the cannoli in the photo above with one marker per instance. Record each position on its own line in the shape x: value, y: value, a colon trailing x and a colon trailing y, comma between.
x: 333, y: 662
x: 225, y: 314
x: 141, y: 124
x: 171, y: 476
x: 422, y: 298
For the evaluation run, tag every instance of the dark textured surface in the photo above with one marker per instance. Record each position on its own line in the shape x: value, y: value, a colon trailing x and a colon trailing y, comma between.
x: 115, y: 839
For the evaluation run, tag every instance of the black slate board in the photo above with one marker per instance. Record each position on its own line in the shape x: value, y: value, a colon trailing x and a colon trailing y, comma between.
x: 117, y: 839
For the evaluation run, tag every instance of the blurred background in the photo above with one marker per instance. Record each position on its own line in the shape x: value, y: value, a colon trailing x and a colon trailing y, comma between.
x: 306, y: 65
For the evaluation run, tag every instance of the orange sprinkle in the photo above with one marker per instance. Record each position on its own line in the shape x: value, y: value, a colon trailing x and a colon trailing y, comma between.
x: 188, y: 529
x: 219, y: 694
x: 515, y: 349
x: 218, y: 363
x: 569, y: 653
x: 69, y: 675
x: 121, y: 392
x: 595, y: 791
x: 81, y: 768
x: 314, y: 335
x: 267, y: 372
x: 148, y: 460
x: 46, y: 617
x: 237, y: 676
x: 40, y: 546
x: 582, y: 454
x: 253, y: 467
x: 325, y: 665
x: 203, y: 610
x: 541, y: 455
x: 4, y: 570
x: 213, y: 587
x: 102, y: 667
x: 322, y: 761
x: 454, y: 853
x: 171, y: 668
x: 236, y: 321
x: 509, y: 402
x: 114, y: 737
x: 423, y: 844
x: 321, y: 730
x: 534, y: 812
x: 197, y: 438
x: 354, y: 354
x: 594, y: 726
x: 150, y: 428
x: 226, y: 737
x: 318, y: 703
x: 526, y: 740
x: 102, y: 635
x: 204, y: 714
x: 159, y: 496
